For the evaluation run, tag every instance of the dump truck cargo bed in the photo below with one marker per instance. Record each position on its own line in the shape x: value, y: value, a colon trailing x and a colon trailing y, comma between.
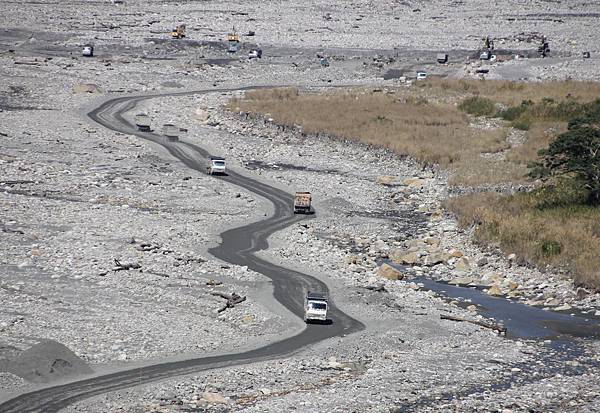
x: 302, y: 201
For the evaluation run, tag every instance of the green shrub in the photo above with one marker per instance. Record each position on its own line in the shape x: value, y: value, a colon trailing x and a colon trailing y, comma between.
x: 563, y: 193
x: 478, y: 106
x: 514, y: 112
x: 550, y: 248
x: 523, y: 122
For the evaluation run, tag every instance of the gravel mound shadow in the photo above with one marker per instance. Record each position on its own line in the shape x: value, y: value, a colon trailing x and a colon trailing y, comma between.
x: 43, y: 362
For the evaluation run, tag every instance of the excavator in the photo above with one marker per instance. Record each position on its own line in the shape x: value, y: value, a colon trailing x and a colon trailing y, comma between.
x: 178, y: 32
x: 234, y: 40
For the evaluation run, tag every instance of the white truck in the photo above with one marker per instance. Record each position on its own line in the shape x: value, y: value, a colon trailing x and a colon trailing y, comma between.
x: 302, y: 201
x: 315, y: 307
x: 215, y: 166
x: 142, y: 121
x: 88, y: 51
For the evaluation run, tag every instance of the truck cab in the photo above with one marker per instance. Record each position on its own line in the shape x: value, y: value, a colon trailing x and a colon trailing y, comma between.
x: 88, y: 50
x: 315, y: 307
x: 216, y: 166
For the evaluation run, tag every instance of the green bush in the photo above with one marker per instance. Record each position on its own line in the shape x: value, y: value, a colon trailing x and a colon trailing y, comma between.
x: 514, y: 112
x: 563, y: 193
x: 523, y: 122
x: 478, y: 106
x: 550, y: 248
x: 546, y: 109
x: 575, y: 154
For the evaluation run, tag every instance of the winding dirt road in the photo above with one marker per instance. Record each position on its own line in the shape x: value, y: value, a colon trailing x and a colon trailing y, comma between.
x: 238, y: 246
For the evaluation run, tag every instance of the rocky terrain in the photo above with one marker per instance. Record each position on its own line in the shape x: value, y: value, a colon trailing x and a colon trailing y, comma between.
x: 104, y: 236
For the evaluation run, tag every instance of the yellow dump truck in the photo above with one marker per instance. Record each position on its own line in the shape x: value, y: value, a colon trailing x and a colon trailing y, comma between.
x: 178, y: 32
x: 302, y: 202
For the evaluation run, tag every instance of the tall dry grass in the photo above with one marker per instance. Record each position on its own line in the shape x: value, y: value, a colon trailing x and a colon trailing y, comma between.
x: 430, y: 132
x: 565, y: 236
x: 539, y: 136
x: 513, y: 93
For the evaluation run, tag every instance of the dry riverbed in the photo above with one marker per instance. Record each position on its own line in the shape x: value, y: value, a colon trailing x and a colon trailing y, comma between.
x: 104, y: 237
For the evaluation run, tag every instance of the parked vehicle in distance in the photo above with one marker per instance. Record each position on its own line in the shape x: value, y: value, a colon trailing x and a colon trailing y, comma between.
x: 315, y: 307
x: 233, y: 40
x: 216, y: 166
x: 485, y: 55
x: 302, y: 201
x: 442, y: 58
x: 88, y: 50
x: 421, y: 75
x: 178, y: 32
x: 255, y: 54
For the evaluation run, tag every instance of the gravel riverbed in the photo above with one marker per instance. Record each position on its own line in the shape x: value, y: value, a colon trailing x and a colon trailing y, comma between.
x: 104, y: 237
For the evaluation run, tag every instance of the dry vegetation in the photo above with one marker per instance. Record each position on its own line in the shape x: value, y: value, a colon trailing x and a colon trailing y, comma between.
x: 567, y: 237
x: 430, y: 132
x: 426, y: 122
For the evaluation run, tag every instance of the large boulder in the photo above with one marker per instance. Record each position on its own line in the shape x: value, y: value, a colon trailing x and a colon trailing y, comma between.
x: 414, y: 182
x: 462, y: 265
x: 404, y: 257
x: 495, y: 291
x: 436, y: 257
x: 386, y: 179
x: 215, y: 398
x: 388, y: 272
x: 202, y: 115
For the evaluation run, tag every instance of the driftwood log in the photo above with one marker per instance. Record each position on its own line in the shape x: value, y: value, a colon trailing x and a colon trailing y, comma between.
x: 232, y: 300
x: 492, y: 326
x: 123, y: 266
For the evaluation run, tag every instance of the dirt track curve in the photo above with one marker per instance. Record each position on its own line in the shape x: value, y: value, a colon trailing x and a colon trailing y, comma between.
x: 237, y: 247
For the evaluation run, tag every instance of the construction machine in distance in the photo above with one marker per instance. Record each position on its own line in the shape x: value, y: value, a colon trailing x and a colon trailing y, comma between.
x: 233, y: 40
x: 178, y: 32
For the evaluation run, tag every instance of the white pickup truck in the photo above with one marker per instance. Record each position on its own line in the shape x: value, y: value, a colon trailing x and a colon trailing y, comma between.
x: 315, y: 307
x: 216, y: 166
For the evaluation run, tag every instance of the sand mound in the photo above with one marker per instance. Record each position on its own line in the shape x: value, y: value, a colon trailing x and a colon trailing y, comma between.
x: 44, y: 362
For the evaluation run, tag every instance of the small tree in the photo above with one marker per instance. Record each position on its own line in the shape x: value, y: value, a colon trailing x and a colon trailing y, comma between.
x: 575, y: 154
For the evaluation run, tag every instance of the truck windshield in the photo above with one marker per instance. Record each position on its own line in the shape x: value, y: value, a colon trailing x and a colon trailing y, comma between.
x: 318, y: 306
x: 219, y: 163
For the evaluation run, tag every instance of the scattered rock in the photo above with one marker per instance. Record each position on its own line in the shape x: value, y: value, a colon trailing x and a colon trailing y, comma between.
x: 435, y: 258
x: 386, y: 179
x: 494, y: 290
x: 215, y: 398
x: 389, y: 272
x: 462, y: 265
x: 403, y: 257
x: 86, y: 88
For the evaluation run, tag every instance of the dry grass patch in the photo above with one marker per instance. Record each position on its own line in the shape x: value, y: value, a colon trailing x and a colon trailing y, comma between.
x: 539, y: 136
x: 566, y: 237
x: 424, y: 121
x: 476, y: 171
x: 430, y: 132
x: 513, y: 93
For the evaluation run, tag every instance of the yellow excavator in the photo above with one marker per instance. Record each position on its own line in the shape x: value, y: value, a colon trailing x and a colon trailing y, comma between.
x: 233, y: 40
x: 178, y: 32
